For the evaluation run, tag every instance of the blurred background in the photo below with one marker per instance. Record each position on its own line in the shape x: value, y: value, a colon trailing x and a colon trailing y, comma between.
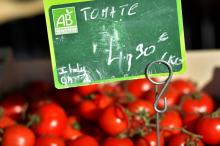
x: 25, y: 29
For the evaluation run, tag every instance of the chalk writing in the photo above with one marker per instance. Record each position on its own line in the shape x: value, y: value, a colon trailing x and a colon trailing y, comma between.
x: 126, y: 59
x: 90, y: 13
x: 145, y: 51
x: 163, y: 37
x: 172, y: 59
x: 94, y: 47
x: 70, y: 75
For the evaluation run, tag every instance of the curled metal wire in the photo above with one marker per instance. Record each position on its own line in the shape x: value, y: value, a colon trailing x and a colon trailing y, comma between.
x: 165, y: 83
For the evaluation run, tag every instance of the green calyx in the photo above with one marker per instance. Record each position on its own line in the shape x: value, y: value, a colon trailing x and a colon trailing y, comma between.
x: 216, y: 114
x: 76, y: 126
x: 196, y: 95
x: 33, y: 120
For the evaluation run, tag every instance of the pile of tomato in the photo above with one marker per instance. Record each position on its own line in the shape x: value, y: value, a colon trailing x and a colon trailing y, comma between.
x: 119, y: 114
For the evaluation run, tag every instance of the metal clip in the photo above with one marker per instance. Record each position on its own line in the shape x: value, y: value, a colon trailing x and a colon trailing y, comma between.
x: 165, y: 83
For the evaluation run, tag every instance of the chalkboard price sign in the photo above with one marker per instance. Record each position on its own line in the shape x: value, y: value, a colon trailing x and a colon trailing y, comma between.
x: 111, y: 40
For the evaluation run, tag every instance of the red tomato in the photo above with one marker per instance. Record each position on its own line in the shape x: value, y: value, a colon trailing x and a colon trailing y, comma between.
x: 117, y: 142
x: 151, y: 139
x: 138, y: 87
x: 171, y: 95
x: 84, y: 140
x: 140, y: 105
x: 112, y: 90
x: 114, y: 120
x: 183, y: 86
x: 197, y: 103
x: 209, y: 128
x: 141, y: 142
x: 13, y: 105
x: 184, y: 140
x: 86, y: 90
x: 36, y: 104
x: 6, y: 122
x: 171, y: 122
x: 90, y: 109
x: 102, y: 101
x: 18, y: 135
x: 72, y: 130
x: 75, y: 99
x: 49, y: 141
x: 51, y: 120
x: 190, y: 120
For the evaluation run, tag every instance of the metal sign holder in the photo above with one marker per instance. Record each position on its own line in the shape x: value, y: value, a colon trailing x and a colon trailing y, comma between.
x: 158, y: 94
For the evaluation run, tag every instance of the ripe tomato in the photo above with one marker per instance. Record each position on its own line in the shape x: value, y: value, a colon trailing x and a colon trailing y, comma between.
x: 49, y: 141
x: 183, y: 86
x: 182, y: 139
x: 117, y: 142
x: 114, y: 120
x: 138, y: 87
x: 209, y: 128
x: 197, y: 103
x: 171, y: 122
x: 141, y: 142
x: 141, y: 105
x: 36, y: 104
x: 190, y: 120
x: 6, y: 122
x: 75, y: 99
x: 86, y: 90
x: 72, y: 130
x: 171, y: 95
x: 151, y: 139
x: 90, y: 109
x: 111, y: 89
x: 84, y: 140
x: 51, y: 120
x: 13, y: 105
x: 18, y: 135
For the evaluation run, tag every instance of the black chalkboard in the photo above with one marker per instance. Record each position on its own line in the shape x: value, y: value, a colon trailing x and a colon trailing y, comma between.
x: 112, y: 40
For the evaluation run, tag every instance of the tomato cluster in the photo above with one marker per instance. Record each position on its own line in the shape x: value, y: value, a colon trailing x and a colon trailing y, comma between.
x: 119, y: 114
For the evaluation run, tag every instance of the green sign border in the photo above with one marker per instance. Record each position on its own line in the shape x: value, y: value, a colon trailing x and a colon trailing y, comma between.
x: 58, y: 85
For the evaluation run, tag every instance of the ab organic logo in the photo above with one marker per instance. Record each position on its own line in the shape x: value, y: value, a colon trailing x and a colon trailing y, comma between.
x: 65, y: 21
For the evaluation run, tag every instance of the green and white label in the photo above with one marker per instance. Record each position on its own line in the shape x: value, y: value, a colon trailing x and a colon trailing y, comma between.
x: 65, y: 21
